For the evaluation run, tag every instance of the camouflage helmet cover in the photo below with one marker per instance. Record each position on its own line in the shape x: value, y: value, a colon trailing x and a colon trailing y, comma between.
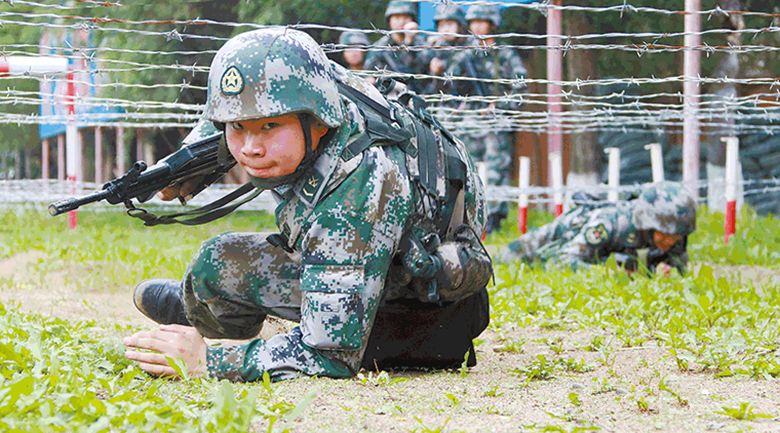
x: 665, y: 207
x: 398, y: 7
x: 485, y: 12
x: 450, y: 11
x: 272, y: 72
x: 353, y: 38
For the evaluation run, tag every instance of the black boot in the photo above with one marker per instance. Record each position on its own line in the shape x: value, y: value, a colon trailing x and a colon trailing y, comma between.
x: 161, y: 301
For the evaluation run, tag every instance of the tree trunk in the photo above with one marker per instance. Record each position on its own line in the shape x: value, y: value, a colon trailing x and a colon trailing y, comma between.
x: 585, y: 157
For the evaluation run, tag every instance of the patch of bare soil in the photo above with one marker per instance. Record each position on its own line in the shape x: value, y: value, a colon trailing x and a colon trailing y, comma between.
x: 54, y: 293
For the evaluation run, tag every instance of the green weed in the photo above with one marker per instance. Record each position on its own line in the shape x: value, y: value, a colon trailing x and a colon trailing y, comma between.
x: 744, y: 412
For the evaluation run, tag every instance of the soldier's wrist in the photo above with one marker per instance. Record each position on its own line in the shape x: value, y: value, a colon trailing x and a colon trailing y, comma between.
x: 225, y: 362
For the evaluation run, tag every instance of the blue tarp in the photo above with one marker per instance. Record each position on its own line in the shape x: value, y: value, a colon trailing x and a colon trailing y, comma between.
x: 427, y: 11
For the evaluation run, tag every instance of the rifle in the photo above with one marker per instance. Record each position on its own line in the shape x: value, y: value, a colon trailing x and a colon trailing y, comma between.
x: 201, y: 159
x: 472, y: 71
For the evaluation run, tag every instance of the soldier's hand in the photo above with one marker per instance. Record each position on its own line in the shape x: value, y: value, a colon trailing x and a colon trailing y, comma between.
x: 664, y: 269
x: 410, y: 30
x: 170, y: 341
x: 437, y: 66
x: 182, y: 191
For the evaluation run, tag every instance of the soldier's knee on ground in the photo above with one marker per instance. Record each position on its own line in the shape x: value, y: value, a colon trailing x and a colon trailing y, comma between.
x: 212, y: 308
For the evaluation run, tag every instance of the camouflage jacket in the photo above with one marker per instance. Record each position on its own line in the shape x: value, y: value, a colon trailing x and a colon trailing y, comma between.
x: 440, y: 50
x: 397, y: 58
x: 588, y: 235
x: 488, y: 63
x: 343, y: 221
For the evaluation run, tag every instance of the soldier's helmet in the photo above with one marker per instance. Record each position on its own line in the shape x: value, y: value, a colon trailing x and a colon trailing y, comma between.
x: 398, y: 7
x: 485, y: 12
x: 272, y: 72
x: 353, y: 38
x: 666, y: 207
x: 450, y: 11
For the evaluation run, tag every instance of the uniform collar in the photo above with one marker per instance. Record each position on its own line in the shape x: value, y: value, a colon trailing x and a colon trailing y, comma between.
x: 310, y: 187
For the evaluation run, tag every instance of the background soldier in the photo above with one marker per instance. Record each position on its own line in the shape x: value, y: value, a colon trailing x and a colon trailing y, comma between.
x: 660, y: 220
x: 449, y: 18
x: 492, y: 142
x: 354, y: 58
x: 401, y: 17
x: 378, y: 255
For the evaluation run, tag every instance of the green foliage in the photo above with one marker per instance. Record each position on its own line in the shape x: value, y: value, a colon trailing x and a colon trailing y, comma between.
x: 744, y: 412
x: 707, y: 322
x: 57, y: 376
x: 121, y: 249
x: 756, y: 242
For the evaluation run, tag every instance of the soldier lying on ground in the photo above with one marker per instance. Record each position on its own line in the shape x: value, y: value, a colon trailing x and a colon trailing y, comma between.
x: 659, y: 220
x: 378, y: 255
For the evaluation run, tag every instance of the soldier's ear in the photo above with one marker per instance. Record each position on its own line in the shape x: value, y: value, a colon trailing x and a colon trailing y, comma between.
x: 319, y: 129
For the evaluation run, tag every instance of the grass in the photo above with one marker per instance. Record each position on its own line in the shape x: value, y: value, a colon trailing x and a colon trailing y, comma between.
x: 112, y: 249
x: 58, y: 375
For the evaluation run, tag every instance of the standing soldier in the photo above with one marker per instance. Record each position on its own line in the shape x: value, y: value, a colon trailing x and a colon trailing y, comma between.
x: 450, y: 21
x: 354, y: 45
x: 487, y: 125
x: 391, y: 52
x: 659, y: 220
x: 378, y: 255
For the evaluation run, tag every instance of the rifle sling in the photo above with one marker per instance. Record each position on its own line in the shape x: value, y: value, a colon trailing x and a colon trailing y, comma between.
x: 204, y: 214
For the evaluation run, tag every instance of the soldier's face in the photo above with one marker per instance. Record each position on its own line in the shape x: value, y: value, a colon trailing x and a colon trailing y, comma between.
x: 354, y: 57
x: 448, y: 26
x: 270, y: 147
x: 481, y: 27
x: 665, y: 241
x: 398, y: 21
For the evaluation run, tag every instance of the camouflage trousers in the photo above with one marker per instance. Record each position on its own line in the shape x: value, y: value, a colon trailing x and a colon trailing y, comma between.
x: 234, y: 282
x: 496, y: 149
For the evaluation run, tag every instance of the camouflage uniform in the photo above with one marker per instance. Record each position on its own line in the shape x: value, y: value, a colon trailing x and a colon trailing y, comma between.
x: 396, y: 57
x: 591, y: 232
x: 440, y: 49
x: 493, y: 144
x: 341, y: 223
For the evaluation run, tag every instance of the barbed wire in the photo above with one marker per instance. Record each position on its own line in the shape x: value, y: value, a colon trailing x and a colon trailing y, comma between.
x: 47, y: 191
x: 93, y: 23
x: 542, y: 7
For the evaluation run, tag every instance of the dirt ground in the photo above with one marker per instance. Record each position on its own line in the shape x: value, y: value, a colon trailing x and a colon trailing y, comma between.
x: 489, y: 398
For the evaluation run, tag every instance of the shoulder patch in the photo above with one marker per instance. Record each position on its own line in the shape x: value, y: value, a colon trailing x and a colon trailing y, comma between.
x: 232, y: 82
x: 596, y: 235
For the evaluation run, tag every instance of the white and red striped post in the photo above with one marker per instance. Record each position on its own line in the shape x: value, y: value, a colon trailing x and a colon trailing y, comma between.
x: 524, y: 178
x: 556, y: 171
x: 656, y: 161
x: 72, y: 147
x: 732, y: 167
x: 613, y: 178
